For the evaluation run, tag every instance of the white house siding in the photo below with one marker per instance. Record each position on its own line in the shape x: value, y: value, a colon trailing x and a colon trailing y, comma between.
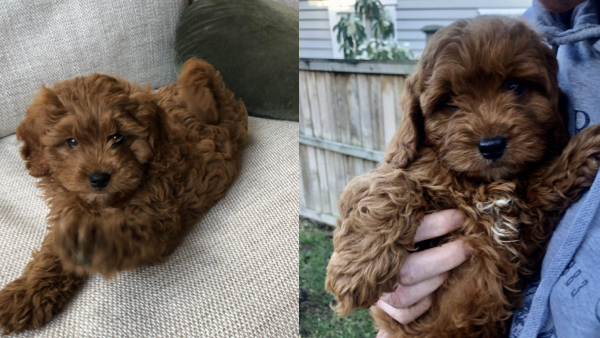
x: 315, y: 36
x: 411, y: 16
x: 317, y: 41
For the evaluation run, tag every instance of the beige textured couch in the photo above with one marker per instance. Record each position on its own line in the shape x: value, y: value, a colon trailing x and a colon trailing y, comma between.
x: 236, y: 273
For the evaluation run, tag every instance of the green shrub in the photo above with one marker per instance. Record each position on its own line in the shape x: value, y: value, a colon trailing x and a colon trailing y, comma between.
x: 317, y: 320
x: 352, y: 35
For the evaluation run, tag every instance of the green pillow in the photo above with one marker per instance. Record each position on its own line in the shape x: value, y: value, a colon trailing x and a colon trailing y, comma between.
x: 253, y: 43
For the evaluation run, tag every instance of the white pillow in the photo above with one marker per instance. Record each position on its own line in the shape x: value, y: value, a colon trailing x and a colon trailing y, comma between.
x: 49, y: 41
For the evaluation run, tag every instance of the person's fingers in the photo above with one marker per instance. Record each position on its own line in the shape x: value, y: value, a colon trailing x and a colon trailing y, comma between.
x: 382, y: 334
x: 439, y: 223
x: 405, y: 296
x: 409, y: 314
x: 423, y: 272
x: 423, y: 265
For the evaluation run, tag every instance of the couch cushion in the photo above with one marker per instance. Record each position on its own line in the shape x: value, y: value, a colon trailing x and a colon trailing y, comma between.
x: 234, y: 275
x: 253, y: 43
x: 49, y: 41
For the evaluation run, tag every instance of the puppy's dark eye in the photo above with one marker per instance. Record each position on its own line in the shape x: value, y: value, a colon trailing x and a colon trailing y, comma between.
x: 517, y: 87
x: 72, y: 143
x: 447, y: 103
x: 117, y: 138
x: 453, y: 108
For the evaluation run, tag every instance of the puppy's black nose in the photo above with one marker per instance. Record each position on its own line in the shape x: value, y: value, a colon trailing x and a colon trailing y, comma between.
x: 492, y: 148
x: 99, y: 180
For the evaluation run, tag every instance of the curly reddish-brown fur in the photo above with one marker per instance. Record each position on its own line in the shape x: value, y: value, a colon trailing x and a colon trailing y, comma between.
x: 179, y: 154
x: 461, y: 94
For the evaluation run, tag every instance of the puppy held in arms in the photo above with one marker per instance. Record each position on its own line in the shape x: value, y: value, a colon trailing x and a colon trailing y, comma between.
x: 483, y: 131
x: 125, y: 171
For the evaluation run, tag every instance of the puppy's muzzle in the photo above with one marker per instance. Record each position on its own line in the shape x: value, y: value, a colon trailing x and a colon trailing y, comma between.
x: 492, y: 148
x: 99, y: 180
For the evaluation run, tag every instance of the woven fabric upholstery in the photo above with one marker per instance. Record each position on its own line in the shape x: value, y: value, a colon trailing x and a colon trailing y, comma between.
x: 234, y: 275
x: 45, y: 41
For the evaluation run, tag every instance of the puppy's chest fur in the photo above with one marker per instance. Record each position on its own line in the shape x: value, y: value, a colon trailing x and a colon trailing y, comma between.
x: 495, y: 212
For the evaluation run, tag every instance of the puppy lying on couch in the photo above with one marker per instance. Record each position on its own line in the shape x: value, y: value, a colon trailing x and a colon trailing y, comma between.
x: 483, y: 131
x: 124, y: 171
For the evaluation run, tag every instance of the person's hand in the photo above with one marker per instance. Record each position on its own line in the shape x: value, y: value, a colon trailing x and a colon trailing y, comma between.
x: 424, y: 271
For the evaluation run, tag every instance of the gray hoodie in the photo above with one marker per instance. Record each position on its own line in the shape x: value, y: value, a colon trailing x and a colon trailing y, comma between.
x: 565, y: 302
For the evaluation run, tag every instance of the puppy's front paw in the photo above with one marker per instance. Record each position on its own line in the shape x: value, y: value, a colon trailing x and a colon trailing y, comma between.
x: 32, y: 300
x: 357, y: 285
x: 25, y: 305
x: 582, y: 157
x: 75, y: 239
x: 16, y: 310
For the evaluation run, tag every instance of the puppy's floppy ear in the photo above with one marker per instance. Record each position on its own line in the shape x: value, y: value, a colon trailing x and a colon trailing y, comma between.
x: 197, y: 83
x: 32, y: 129
x: 402, y: 150
x: 154, y: 120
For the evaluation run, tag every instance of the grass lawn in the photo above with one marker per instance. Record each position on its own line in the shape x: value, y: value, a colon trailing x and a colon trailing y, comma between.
x: 316, y: 317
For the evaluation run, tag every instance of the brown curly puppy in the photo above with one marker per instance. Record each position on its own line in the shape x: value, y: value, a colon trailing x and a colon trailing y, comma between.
x: 125, y: 171
x: 483, y: 131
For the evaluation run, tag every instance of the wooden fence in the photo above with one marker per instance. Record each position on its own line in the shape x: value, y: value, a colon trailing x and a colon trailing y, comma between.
x: 349, y: 111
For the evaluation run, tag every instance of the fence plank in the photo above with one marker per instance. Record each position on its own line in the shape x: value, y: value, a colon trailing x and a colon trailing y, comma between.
x: 376, y: 112
x: 331, y: 182
x: 359, y: 167
x: 308, y: 154
x: 365, y: 110
x: 341, y: 127
x: 398, y: 91
x: 306, y: 124
x: 323, y: 92
x: 313, y: 180
x: 340, y: 169
x: 319, y: 161
x: 342, y: 112
x: 303, y: 102
x: 304, y: 173
x: 304, y: 113
x: 350, y: 169
x: 388, y: 103
x: 302, y: 201
x: 332, y: 105
x: 354, y: 108
x: 323, y: 185
x: 313, y: 100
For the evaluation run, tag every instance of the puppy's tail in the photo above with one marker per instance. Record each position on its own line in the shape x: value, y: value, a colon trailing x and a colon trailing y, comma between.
x: 204, y: 92
x: 43, y: 289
